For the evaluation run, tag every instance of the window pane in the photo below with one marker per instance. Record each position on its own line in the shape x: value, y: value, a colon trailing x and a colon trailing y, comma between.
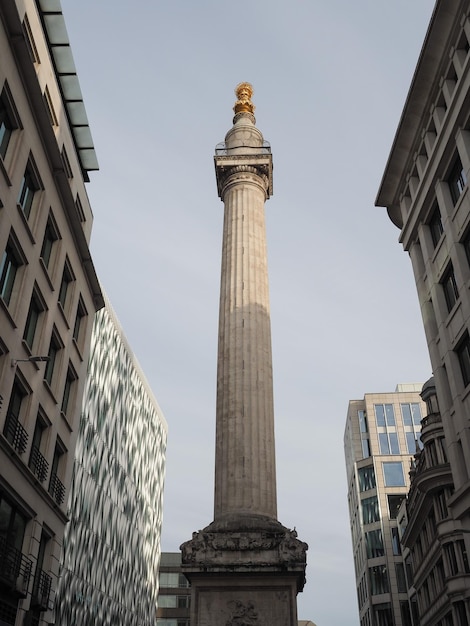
x: 362, y: 421
x: 374, y: 544
x: 379, y: 414
x: 411, y: 442
x: 370, y: 510
x: 384, y: 445
x: 393, y: 474
x: 401, y: 580
x: 406, y: 414
x: 416, y: 412
x: 379, y: 579
x: 366, y: 477
x: 389, y: 415
x: 394, y: 447
x: 365, y: 448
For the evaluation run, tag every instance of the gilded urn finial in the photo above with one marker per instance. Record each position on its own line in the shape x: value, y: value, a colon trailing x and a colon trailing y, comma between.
x: 244, y: 91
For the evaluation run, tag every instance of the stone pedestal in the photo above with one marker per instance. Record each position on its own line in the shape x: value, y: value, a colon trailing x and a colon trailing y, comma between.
x: 244, y: 573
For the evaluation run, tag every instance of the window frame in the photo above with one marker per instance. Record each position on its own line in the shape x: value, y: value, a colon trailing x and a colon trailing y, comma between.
x: 449, y: 287
x: 456, y: 179
x: 462, y: 350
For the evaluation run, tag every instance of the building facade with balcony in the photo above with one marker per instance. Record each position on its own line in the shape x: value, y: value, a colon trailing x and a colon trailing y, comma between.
x: 381, y: 437
x: 49, y: 294
x: 425, y: 191
x: 111, y: 551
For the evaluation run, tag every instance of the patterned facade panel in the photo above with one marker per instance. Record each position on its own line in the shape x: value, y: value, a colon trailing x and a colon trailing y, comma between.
x: 112, y: 544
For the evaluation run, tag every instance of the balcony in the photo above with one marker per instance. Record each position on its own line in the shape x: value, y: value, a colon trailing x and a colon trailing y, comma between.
x: 41, y: 590
x: 15, y: 434
x: 15, y: 568
x: 38, y: 464
x: 57, y: 489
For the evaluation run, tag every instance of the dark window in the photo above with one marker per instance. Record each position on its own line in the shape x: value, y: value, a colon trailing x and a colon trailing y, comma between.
x: 67, y: 278
x: 461, y: 612
x: 35, y: 309
x: 464, y: 555
x: 457, y: 180
x: 50, y: 236
x: 401, y: 580
x: 378, y: 580
x: 435, y: 226
x: 394, y: 503
x: 79, y: 321
x: 463, y: 354
x: 13, y: 430
x: 7, y: 122
x: 449, y: 550
x: 370, y: 510
x: 54, y: 348
x: 396, y: 546
x: 28, y: 188
x: 37, y: 463
x: 68, y: 389
x: 374, y: 544
x: 449, y: 285
x: 9, y: 264
x: 56, y: 488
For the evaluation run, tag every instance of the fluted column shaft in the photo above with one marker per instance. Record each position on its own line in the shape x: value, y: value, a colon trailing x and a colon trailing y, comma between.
x: 245, y: 476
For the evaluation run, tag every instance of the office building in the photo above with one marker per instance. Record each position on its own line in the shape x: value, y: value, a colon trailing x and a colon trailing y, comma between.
x: 425, y: 191
x: 174, y: 595
x: 111, y: 552
x: 381, y: 437
x: 49, y: 294
x: 244, y: 566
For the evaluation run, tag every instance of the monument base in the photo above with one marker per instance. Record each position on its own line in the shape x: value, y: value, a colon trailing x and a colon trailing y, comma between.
x: 244, y: 571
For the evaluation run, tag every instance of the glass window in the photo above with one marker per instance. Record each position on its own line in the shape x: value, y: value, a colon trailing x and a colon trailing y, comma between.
x: 366, y: 477
x: 67, y: 278
x: 35, y: 310
x: 463, y: 354
x: 7, y: 123
x: 393, y: 474
x: 370, y: 510
x: 365, y: 448
x: 374, y: 544
x: 449, y: 285
x: 384, y: 414
x: 169, y: 579
x: 396, y: 547
x: 379, y: 580
x: 457, y: 180
x: 401, y: 580
x: 27, y: 190
x: 384, y: 443
x: 50, y: 237
x: 411, y: 413
x: 362, y: 421
x: 54, y: 349
x: 394, y: 503
x: 411, y: 442
x: 435, y: 226
x: 68, y: 389
x: 451, y: 558
x: 9, y: 264
x: 167, y: 602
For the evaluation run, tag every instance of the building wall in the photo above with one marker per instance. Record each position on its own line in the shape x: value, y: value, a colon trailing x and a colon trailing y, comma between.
x: 425, y: 190
x: 111, y: 553
x: 381, y: 436
x: 48, y: 297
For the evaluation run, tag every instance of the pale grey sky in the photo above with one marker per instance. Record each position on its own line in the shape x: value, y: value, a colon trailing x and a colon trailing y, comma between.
x: 330, y: 81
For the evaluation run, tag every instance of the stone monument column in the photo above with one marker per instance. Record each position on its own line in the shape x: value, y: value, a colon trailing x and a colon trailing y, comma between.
x: 245, y: 568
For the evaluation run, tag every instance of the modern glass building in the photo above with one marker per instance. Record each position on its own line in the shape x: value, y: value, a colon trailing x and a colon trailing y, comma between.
x: 110, y: 559
x: 382, y: 434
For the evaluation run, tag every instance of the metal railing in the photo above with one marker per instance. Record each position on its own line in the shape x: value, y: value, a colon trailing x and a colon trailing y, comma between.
x: 38, y: 464
x: 41, y: 589
x: 15, y: 567
x: 15, y: 433
x: 57, y: 489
